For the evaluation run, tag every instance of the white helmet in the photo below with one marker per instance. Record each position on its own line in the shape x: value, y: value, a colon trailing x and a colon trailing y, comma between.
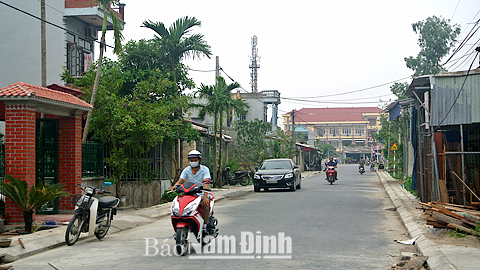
x: 194, y: 153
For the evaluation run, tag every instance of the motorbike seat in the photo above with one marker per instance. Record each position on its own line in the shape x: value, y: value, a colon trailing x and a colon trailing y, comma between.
x: 108, y: 202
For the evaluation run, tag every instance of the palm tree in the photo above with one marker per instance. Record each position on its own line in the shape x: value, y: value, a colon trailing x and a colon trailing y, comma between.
x: 118, y: 38
x: 29, y: 200
x: 178, y: 43
x: 219, y: 100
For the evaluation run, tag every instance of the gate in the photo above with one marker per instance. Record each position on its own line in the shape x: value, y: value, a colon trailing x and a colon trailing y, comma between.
x: 47, y: 159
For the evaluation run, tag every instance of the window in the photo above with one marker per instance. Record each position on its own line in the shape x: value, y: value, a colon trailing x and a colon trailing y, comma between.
x: 79, y: 55
x: 346, y: 131
x: 321, y: 131
x: 243, y: 116
x: 333, y: 132
x: 372, y: 122
x: 359, y: 131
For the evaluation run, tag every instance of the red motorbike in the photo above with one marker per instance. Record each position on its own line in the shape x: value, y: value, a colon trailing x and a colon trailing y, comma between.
x: 187, y: 216
x: 331, y: 174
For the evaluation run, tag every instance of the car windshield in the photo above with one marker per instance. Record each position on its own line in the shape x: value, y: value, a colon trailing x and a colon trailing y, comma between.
x: 277, y: 164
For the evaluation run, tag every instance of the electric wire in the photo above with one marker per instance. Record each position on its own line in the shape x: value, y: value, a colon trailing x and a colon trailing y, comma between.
x: 84, y: 36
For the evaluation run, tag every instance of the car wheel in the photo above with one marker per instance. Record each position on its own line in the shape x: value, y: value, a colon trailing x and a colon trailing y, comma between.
x: 293, y: 187
x: 256, y: 189
x: 299, y: 186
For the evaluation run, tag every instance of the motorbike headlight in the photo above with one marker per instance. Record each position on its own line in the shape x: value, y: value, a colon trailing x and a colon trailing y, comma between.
x: 175, y: 209
x: 256, y: 176
x: 190, y: 208
x: 88, y: 190
x: 288, y: 175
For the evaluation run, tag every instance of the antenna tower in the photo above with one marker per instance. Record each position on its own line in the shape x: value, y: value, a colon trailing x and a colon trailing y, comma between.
x: 254, y: 65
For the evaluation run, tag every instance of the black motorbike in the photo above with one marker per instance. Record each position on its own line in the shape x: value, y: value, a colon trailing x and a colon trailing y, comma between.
x: 241, y: 177
x: 361, y: 169
x: 92, y: 215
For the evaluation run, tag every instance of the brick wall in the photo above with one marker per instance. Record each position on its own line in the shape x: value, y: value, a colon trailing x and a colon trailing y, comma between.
x: 19, y: 151
x: 69, y: 158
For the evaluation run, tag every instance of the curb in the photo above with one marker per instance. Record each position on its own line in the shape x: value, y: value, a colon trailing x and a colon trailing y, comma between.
x: 436, y: 259
x: 53, y: 238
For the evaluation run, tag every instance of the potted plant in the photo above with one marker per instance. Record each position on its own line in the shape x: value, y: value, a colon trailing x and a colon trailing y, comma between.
x: 28, y: 200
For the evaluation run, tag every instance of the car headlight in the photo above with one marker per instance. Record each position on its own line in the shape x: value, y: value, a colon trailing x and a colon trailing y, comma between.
x: 256, y: 176
x: 288, y: 175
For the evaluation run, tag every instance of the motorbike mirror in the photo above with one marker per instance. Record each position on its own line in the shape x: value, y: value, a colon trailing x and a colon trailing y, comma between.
x: 296, y: 167
x: 107, y: 184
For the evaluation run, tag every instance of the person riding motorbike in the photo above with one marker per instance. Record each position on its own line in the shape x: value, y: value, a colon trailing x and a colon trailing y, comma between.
x: 198, y: 174
x: 362, y: 163
x: 331, y: 162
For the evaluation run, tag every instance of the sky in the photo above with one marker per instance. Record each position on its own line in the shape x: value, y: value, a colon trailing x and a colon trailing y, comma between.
x: 308, y: 49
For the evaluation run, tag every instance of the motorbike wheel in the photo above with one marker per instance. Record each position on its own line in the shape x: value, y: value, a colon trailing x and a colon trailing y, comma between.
x: 181, y: 241
x: 74, y: 229
x: 102, y: 231
x: 330, y: 179
x: 245, y: 181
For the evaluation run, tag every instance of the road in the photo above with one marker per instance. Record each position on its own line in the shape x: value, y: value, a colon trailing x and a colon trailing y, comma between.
x: 342, y: 226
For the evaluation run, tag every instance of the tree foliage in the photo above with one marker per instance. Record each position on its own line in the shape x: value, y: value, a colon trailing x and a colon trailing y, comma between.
x: 436, y: 38
x: 251, y: 147
x: 280, y: 145
x: 399, y: 89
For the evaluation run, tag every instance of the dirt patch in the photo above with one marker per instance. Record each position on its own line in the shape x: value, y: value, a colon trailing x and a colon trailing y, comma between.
x: 448, y: 237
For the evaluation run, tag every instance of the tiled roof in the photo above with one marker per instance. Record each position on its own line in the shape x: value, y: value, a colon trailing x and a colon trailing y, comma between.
x: 24, y: 91
x: 315, y: 115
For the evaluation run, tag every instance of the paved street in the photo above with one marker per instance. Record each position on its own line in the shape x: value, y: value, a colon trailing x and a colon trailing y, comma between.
x: 341, y: 226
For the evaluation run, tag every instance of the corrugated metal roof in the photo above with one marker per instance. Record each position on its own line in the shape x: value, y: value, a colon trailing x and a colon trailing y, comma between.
x: 446, y: 88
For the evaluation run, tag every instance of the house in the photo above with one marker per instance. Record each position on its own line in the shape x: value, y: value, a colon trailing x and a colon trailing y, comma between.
x: 339, y: 127
x: 445, y: 132
x: 71, y: 32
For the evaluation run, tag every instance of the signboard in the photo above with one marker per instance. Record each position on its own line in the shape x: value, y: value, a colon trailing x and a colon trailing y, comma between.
x: 394, y: 147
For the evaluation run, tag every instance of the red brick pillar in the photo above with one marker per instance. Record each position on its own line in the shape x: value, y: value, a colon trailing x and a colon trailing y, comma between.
x: 69, y: 158
x: 20, y: 159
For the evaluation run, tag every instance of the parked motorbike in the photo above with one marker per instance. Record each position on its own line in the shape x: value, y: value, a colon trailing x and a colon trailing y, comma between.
x: 92, y: 215
x: 240, y: 177
x: 361, y: 169
x: 187, y: 218
x: 330, y: 174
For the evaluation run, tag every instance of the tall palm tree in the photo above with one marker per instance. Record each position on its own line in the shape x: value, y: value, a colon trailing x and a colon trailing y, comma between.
x: 118, y: 38
x: 219, y: 100
x: 179, y: 43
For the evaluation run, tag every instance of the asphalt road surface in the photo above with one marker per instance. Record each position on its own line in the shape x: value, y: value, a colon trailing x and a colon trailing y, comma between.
x: 321, y: 226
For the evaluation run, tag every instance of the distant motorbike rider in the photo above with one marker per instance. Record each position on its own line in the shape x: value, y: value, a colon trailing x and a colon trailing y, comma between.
x: 362, y: 163
x: 197, y: 174
x: 331, y: 162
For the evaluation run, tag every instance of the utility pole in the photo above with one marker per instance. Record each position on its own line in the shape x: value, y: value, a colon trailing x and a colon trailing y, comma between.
x: 217, y: 180
x: 43, y: 42
x: 293, y: 123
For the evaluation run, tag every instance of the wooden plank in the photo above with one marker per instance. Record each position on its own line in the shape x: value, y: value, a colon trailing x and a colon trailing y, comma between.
x: 443, y: 190
x: 451, y: 220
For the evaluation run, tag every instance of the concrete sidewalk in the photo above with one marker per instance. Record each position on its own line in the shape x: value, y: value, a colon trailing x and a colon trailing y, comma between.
x: 439, y: 256
x: 126, y: 219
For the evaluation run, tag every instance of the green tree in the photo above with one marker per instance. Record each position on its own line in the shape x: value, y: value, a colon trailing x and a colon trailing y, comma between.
x: 251, y: 147
x: 30, y: 199
x: 281, y: 145
x: 177, y: 42
x: 328, y: 149
x: 436, y: 38
x: 118, y: 38
x: 399, y: 89
x: 219, y: 101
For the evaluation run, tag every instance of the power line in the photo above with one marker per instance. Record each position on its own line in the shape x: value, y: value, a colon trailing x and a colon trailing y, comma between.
x: 84, y: 36
x: 461, y: 88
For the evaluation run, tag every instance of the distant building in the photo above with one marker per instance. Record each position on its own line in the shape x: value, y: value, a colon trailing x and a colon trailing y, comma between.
x: 339, y: 127
x: 73, y: 49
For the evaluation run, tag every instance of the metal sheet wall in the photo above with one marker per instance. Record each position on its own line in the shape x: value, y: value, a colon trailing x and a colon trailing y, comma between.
x: 445, y: 91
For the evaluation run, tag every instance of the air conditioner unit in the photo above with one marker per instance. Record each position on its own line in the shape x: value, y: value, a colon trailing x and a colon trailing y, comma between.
x: 91, y: 32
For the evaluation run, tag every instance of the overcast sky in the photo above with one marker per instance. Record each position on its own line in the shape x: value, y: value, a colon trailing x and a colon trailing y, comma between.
x: 308, y: 48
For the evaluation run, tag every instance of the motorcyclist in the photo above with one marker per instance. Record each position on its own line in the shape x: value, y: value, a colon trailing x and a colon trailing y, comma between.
x: 197, y: 174
x: 331, y: 162
x: 362, y: 163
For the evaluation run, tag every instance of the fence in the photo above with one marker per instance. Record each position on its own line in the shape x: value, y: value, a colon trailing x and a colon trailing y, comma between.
x: 451, y: 170
x: 92, y: 159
